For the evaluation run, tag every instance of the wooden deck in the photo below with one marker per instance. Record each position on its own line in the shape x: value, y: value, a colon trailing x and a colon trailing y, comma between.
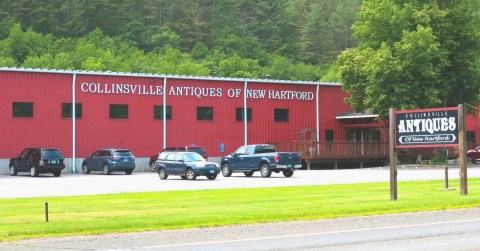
x: 346, y: 151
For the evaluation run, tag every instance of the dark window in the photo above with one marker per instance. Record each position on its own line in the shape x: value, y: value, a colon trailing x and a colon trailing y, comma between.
x: 204, y: 113
x: 36, y: 154
x: 471, y: 137
x: 240, y: 112
x: 119, y: 111
x: 281, y: 115
x: 158, y: 112
x: 22, y: 109
x: 329, y: 135
x: 123, y: 153
x: 67, y: 111
x: 51, y: 153
x: 264, y: 149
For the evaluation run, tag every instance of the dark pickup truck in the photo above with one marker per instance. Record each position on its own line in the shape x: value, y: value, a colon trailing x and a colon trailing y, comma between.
x: 264, y: 158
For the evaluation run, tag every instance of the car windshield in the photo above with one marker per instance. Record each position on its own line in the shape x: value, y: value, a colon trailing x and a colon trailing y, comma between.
x: 192, y: 157
x: 51, y: 153
x: 123, y: 153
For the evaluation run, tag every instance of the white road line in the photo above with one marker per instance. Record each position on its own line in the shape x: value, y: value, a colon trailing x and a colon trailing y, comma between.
x: 299, y: 235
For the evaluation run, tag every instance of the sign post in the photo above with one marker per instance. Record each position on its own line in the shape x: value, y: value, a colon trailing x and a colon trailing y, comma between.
x: 462, y: 147
x: 393, y: 156
x: 435, y: 127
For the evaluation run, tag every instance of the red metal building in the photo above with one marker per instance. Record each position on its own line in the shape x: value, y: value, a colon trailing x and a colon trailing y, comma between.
x: 147, y: 112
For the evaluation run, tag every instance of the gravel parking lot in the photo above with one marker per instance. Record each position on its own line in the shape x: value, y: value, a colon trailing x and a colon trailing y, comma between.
x: 22, y: 186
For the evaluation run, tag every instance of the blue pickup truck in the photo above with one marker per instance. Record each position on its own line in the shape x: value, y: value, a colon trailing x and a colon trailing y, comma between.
x: 264, y: 158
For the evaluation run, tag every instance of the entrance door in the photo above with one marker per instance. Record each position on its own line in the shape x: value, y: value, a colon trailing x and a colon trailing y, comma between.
x: 367, y: 138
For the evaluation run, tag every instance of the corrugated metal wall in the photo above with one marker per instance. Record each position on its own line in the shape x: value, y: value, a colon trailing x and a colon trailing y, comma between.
x: 302, y: 113
x: 141, y: 132
x: 331, y: 104
x: 185, y: 129
x: 46, y: 128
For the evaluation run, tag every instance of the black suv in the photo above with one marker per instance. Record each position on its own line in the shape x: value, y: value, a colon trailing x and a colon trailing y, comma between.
x: 38, y: 160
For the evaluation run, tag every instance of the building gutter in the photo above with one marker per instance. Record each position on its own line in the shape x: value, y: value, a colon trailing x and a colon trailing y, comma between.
x: 164, y: 113
x: 245, y: 119
x: 74, y: 132
x: 317, y: 112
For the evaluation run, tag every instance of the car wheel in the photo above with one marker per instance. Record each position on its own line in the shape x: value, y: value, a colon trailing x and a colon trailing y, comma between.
x: 85, y: 169
x: 128, y: 172
x: 212, y: 177
x: 106, y: 171
x: 190, y: 174
x: 265, y: 170
x: 288, y: 173
x: 183, y: 177
x: 226, y: 170
x: 13, y: 170
x: 470, y: 160
x: 163, y: 174
x: 57, y: 174
x: 33, y: 171
x: 248, y: 174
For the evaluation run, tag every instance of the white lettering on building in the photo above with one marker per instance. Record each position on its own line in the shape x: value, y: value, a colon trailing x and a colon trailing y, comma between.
x: 122, y: 89
x: 198, y: 92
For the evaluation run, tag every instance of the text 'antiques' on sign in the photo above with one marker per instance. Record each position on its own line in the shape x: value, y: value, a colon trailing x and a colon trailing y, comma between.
x: 427, y: 128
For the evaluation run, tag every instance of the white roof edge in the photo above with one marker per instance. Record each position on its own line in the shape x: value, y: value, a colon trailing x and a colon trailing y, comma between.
x: 153, y: 75
x: 356, y: 116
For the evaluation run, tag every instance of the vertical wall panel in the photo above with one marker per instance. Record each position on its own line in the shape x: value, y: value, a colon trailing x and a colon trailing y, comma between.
x: 46, y: 128
x: 185, y: 96
x: 302, y: 113
x: 331, y: 104
x: 141, y: 133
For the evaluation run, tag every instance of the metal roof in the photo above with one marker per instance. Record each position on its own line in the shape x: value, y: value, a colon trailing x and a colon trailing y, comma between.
x: 356, y: 115
x: 153, y: 75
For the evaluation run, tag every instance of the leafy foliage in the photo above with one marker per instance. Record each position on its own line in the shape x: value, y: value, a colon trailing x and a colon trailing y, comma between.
x: 413, y: 54
x: 264, y: 37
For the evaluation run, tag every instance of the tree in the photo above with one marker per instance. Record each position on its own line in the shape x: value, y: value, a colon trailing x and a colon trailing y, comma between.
x: 413, y: 54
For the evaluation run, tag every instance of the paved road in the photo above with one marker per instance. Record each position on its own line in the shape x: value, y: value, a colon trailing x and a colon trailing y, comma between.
x: 445, y: 230
x: 79, y: 184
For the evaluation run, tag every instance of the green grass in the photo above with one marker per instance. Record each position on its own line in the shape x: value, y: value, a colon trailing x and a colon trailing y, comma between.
x: 83, y: 215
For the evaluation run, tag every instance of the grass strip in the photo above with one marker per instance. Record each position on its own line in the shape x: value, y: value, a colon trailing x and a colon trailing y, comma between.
x: 84, y: 215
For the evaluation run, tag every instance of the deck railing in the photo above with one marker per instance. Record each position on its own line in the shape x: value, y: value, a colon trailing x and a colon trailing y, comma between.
x: 356, y: 150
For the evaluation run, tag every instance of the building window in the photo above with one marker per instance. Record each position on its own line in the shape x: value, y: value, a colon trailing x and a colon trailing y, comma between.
x: 119, y: 111
x: 204, y: 113
x: 240, y: 112
x: 22, y: 109
x: 281, y: 115
x: 471, y: 137
x: 158, y: 112
x: 67, y: 111
x: 329, y: 135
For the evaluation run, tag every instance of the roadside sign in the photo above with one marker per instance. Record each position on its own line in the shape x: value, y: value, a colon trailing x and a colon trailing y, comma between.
x: 436, y: 127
